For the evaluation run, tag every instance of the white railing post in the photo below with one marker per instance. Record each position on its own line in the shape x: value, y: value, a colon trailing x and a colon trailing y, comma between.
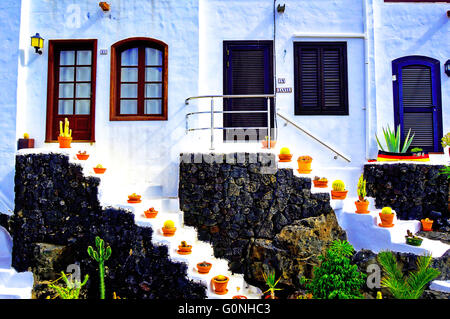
x: 212, y: 124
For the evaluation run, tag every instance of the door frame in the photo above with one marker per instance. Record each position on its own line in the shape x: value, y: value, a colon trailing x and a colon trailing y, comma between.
x: 434, y: 65
x: 51, y: 76
x: 269, y: 87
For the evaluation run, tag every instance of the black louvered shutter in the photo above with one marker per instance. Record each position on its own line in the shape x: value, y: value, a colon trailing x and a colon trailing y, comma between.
x: 247, y: 71
x: 417, y: 95
x: 320, y: 78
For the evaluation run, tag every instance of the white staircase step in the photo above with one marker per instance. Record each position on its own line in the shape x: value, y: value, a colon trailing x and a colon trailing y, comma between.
x: 15, y: 293
x: 440, y: 285
x: 12, y: 279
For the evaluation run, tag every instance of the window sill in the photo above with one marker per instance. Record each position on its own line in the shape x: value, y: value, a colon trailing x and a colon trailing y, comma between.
x: 137, y: 118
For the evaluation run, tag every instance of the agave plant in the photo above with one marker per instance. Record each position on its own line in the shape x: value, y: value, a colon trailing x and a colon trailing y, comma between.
x: 393, y: 142
x: 406, y: 287
x: 271, y: 283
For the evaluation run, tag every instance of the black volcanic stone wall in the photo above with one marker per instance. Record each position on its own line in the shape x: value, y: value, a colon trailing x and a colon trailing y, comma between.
x: 55, y: 204
x: 414, y: 191
x: 234, y: 204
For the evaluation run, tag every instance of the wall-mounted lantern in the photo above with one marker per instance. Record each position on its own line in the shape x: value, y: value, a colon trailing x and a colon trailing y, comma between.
x: 37, y: 43
x: 105, y: 6
x: 281, y: 8
x: 447, y: 67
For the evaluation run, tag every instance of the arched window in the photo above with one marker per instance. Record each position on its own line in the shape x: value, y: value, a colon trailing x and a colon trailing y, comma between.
x: 138, y: 80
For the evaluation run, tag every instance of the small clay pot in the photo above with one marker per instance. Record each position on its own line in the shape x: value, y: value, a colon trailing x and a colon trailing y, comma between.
x: 64, y: 142
x: 169, y: 232
x: 150, y: 214
x: 285, y: 157
x: 184, y: 250
x: 386, y: 220
x: 202, y: 269
x: 320, y: 184
x: 338, y: 194
x: 265, y: 144
x: 220, y: 286
x: 427, y: 225
x: 82, y: 157
x: 304, y: 165
x: 99, y: 170
x: 414, y: 241
x: 239, y: 297
x: 361, y: 207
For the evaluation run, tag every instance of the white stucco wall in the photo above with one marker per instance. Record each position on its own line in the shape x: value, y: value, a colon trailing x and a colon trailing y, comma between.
x: 403, y: 29
x: 137, y: 149
x: 9, y: 57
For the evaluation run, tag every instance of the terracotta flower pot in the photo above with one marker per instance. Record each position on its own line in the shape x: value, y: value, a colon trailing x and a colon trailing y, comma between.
x: 386, y: 220
x: 82, y: 157
x: 265, y: 143
x: 239, y: 297
x: 338, y: 194
x: 220, y: 286
x: 204, y: 267
x: 285, y: 157
x: 304, y: 164
x: 320, y: 184
x: 361, y: 207
x: 184, y: 250
x: 150, y: 213
x: 169, y: 232
x: 64, y: 142
x: 99, y: 170
x: 427, y: 225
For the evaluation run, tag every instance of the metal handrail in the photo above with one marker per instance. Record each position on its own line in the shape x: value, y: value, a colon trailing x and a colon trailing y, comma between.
x: 313, y: 137
x: 212, y: 112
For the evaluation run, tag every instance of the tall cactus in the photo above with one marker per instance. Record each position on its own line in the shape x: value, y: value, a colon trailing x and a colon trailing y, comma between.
x: 100, y: 255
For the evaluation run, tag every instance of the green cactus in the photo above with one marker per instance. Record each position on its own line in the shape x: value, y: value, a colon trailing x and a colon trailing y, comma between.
x: 386, y: 210
x: 362, y: 188
x: 338, y: 185
x: 100, y: 255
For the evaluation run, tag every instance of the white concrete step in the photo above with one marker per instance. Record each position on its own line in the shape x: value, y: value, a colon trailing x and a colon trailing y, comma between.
x: 363, y: 231
x: 440, y: 285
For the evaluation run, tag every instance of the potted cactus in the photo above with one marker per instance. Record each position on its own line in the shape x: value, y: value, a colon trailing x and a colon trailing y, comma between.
x: 65, y: 135
x: 386, y: 216
x: 338, y: 190
x: 25, y: 142
x: 169, y: 228
x: 150, y: 213
x: 220, y: 283
x: 320, y: 182
x: 184, y: 248
x: 413, y: 240
x: 285, y: 155
x: 427, y: 224
x: 204, y: 267
x: 99, y: 169
x: 445, y: 142
x: 266, y: 142
x: 362, y: 203
x: 239, y: 297
x: 134, y: 198
x: 304, y: 164
x: 82, y: 156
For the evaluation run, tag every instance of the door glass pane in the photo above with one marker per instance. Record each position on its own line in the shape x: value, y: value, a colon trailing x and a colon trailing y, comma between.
x: 128, y: 90
x: 153, y: 56
x: 84, y: 57
x: 66, y: 74
x: 153, y: 107
x: 65, y: 107
x: 83, y: 90
x: 67, y: 58
x: 66, y: 90
x: 153, y: 90
x: 129, y: 75
x: 128, y: 107
x: 83, y: 73
x: 82, y: 107
x: 153, y: 74
x: 130, y: 56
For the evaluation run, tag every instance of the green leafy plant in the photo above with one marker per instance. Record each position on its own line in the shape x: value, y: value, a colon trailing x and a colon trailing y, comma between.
x: 271, y: 283
x: 336, y: 277
x: 361, y: 188
x: 445, y: 171
x: 100, y: 255
x: 71, y: 289
x: 393, y: 140
x: 406, y: 287
x: 416, y: 150
x: 445, y: 141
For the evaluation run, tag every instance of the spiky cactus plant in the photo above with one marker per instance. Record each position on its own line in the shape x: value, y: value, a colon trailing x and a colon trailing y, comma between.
x: 100, y: 255
x: 338, y: 185
x: 361, y: 189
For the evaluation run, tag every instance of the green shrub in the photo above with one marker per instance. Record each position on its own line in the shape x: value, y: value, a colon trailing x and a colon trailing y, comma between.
x: 336, y: 277
x: 406, y: 287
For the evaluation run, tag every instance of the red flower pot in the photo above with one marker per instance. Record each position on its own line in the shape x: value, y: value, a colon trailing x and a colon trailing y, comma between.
x: 320, y: 184
x: 386, y: 220
x: 64, y: 142
x: 99, y: 170
x: 361, y: 207
x: 427, y: 225
x: 220, y: 286
x: 338, y: 194
x: 169, y: 232
x: 204, y: 267
x: 82, y: 157
x: 285, y: 157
